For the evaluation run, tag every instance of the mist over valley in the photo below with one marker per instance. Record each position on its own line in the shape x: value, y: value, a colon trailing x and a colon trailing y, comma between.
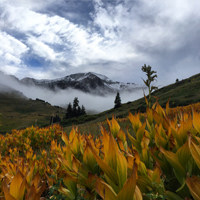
x: 96, y: 96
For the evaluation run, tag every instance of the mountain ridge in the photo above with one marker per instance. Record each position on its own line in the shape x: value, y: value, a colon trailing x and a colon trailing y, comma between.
x: 89, y: 82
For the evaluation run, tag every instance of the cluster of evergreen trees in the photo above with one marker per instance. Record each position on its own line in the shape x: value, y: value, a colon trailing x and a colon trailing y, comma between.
x: 75, y: 110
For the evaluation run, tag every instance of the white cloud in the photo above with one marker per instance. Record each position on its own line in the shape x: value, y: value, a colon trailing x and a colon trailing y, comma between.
x: 82, y: 46
x: 41, y: 49
x: 11, y: 45
x: 127, y: 34
x: 11, y: 52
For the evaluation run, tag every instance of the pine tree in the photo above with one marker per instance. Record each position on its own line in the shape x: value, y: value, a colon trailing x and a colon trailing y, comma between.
x: 83, y: 112
x: 117, y: 101
x: 75, y: 106
x: 69, y: 112
x: 78, y: 111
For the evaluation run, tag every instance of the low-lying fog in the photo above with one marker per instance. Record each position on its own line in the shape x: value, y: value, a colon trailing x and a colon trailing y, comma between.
x: 63, y: 97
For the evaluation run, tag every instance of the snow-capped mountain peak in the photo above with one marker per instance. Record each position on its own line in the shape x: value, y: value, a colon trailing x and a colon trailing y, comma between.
x: 87, y: 82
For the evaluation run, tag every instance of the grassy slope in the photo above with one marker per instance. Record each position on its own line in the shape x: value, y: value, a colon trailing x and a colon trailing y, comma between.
x: 17, y: 112
x: 181, y: 93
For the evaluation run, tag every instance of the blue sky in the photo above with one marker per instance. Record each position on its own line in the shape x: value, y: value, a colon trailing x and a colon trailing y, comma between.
x: 51, y: 39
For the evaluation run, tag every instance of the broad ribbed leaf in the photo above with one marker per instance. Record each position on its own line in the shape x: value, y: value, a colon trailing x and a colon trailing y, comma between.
x: 17, y: 186
x: 105, y: 191
x: 195, y: 151
x: 185, y: 157
x: 196, y: 119
x: 172, y: 158
x: 104, y: 166
x: 172, y: 196
x: 128, y: 190
x: 138, y: 194
x: 7, y: 194
x: 114, y: 126
x: 121, y: 169
x: 193, y: 184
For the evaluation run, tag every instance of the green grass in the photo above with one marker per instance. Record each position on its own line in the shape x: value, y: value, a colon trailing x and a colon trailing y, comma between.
x: 18, y: 113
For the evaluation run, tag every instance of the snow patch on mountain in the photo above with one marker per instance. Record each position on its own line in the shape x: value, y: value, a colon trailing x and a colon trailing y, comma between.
x: 90, y: 82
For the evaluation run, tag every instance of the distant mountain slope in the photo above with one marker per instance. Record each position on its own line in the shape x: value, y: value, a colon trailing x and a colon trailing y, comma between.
x: 87, y: 82
x: 181, y: 93
x: 18, y: 112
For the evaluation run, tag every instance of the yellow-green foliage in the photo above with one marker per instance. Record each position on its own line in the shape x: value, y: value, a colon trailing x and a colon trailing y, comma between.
x: 158, y: 158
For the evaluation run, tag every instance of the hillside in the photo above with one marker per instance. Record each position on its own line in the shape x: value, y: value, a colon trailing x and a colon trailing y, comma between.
x: 17, y: 112
x: 181, y: 93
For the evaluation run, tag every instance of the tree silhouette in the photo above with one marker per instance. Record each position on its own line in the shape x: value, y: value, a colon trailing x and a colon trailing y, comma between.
x: 76, y: 110
x: 83, y: 112
x: 117, y: 101
x: 69, y: 112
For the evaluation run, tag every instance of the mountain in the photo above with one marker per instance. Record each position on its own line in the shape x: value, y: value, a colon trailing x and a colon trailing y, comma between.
x: 87, y: 82
x: 17, y: 111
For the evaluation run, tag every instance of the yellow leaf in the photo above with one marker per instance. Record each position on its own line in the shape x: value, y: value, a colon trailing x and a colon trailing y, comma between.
x: 155, y: 174
x: 105, y: 191
x: 121, y: 169
x: 72, y: 134
x: 135, y: 121
x: 70, y: 183
x: 172, y: 158
x: 7, y: 194
x: 195, y: 151
x: 196, y: 119
x: 66, y: 192
x: 138, y: 194
x: 140, y: 132
x: 104, y: 166
x: 193, y: 184
x: 135, y: 143
x: 89, y: 159
x: 128, y: 190
x: 65, y: 139
x: 114, y: 126
x: 17, y: 186
x: 167, y: 108
x: 30, y: 173
x: 113, y: 151
x: 149, y: 115
x: 185, y: 157
x: 121, y: 135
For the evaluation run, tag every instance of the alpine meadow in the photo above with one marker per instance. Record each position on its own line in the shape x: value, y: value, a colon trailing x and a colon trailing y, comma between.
x: 99, y: 100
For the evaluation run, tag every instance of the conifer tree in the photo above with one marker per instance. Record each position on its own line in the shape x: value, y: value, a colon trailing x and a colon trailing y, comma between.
x: 117, y: 101
x: 83, y: 112
x: 69, y: 112
x: 76, y: 110
x: 75, y: 106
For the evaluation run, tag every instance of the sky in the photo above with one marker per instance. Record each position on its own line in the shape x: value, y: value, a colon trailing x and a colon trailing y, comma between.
x: 50, y: 39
